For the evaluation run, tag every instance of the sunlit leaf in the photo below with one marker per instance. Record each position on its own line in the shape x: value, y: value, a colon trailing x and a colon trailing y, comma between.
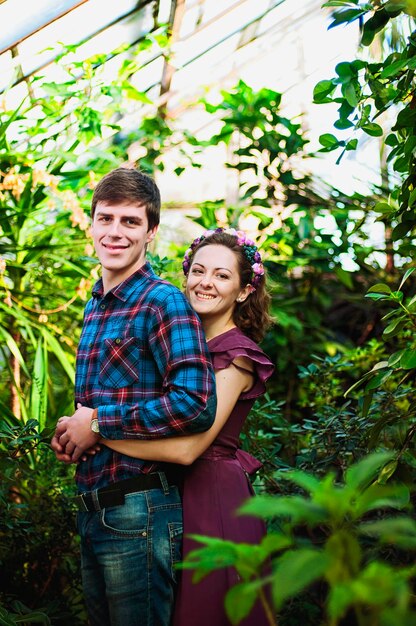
x: 407, y: 273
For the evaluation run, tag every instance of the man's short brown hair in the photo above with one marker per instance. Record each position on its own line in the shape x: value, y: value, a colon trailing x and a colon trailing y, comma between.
x: 129, y: 185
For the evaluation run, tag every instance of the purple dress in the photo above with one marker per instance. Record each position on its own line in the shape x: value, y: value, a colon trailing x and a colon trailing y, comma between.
x: 215, y: 485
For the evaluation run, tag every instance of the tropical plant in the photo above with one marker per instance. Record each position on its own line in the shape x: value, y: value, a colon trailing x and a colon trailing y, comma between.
x: 40, y: 579
x: 329, y: 531
x: 51, y: 153
x: 366, y: 91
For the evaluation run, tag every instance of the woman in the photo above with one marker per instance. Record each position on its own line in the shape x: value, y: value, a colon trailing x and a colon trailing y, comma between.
x: 226, y: 287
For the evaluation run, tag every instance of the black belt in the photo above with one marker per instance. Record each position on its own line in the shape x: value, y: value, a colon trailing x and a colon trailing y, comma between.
x: 113, y: 495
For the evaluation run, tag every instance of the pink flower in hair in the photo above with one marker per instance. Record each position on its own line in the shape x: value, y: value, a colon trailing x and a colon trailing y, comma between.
x: 258, y: 269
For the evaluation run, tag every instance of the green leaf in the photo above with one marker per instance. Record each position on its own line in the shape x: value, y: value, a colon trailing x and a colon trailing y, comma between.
x: 407, y: 273
x: 395, y: 358
x: 399, y: 531
x: 382, y: 496
x: 397, y: 296
x: 394, y: 68
x: 322, y: 90
x: 64, y: 358
x: 345, y: 70
x: 295, y: 508
x: 362, y: 473
x: 401, y: 230
x: 340, y: 543
x: 296, y: 570
x: 265, y: 220
x: 408, y: 360
x: 39, y: 384
x: 308, y: 482
x: 274, y: 542
x: 342, y: 123
x: 367, y: 399
x: 32, y: 617
x: 240, y: 599
x: 329, y: 141
x: 391, y: 140
x: 412, y: 198
x: 357, y: 384
x: 375, y: 130
x: 134, y: 94
x: 376, y: 23
x: 340, y: 596
x: 379, y: 366
x: 349, y: 15
x: 376, y: 296
x: 386, y: 473
x: 216, y: 554
x: 378, y: 427
x: 383, y: 207
x: 351, y: 144
x: 349, y: 92
x: 379, y: 288
x: 393, y: 6
x: 378, y: 380
x: 14, y: 349
x: 394, y: 327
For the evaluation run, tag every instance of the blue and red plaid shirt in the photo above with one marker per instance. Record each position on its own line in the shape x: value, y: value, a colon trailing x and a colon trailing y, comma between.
x: 142, y: 361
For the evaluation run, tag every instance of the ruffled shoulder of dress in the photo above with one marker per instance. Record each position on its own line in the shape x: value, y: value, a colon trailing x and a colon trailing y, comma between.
x: 233, y: 344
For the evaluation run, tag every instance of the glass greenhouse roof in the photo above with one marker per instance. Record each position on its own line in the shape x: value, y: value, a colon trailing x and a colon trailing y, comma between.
x: 266, y: 43
x: 209, y: 36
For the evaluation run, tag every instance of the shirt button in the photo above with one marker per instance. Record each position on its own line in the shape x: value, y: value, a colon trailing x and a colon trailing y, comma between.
x: 90, y: 345
x: 118, y: 340
x: 144, y: 534
x: 102, y: 306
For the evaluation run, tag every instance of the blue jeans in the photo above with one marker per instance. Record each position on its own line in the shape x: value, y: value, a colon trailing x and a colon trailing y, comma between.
x: 128, y: 554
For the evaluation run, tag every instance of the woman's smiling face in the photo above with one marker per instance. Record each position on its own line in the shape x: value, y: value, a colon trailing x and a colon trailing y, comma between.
x: 214, y: 284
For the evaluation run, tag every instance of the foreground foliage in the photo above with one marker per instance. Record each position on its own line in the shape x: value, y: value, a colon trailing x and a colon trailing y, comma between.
x: 343, y: 342
x: 40, y: 579
x: 332, y: 532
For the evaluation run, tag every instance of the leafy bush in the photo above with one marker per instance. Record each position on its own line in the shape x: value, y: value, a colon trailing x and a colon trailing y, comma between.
x: 38, y: 544
x: 330, y: 531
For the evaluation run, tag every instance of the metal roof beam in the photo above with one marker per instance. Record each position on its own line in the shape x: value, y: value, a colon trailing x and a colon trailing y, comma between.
x: 25, y: 23
x: 139, y: 6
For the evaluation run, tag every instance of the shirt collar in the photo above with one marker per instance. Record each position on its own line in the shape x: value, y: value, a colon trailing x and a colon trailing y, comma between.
x: 123, y: 290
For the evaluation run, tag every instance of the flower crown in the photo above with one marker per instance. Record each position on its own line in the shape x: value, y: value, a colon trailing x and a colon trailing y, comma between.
x: 249, y: 248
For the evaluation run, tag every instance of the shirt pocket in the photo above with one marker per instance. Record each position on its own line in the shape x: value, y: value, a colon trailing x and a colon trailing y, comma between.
x: 119, y: 365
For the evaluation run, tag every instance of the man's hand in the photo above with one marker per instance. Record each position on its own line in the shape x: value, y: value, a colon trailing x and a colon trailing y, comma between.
x: 55, y: 445
x: 74, y: 435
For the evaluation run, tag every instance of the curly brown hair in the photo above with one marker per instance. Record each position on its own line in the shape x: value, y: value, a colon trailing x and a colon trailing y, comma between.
x: 251, y: 316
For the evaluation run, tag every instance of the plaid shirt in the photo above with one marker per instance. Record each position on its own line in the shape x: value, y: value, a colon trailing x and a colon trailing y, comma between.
x: 142, y: 361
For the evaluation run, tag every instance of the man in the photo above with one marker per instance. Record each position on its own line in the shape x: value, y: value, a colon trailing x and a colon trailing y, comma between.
x: 143, y: 370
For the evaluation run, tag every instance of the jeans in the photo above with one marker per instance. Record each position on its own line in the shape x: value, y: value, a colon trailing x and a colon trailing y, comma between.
x: 128, y: 554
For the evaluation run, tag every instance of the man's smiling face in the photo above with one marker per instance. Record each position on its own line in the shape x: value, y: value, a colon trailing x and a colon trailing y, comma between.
x: 120, y: 233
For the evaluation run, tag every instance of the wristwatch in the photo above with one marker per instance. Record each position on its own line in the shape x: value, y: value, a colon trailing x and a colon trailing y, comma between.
x: 95, y: 427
